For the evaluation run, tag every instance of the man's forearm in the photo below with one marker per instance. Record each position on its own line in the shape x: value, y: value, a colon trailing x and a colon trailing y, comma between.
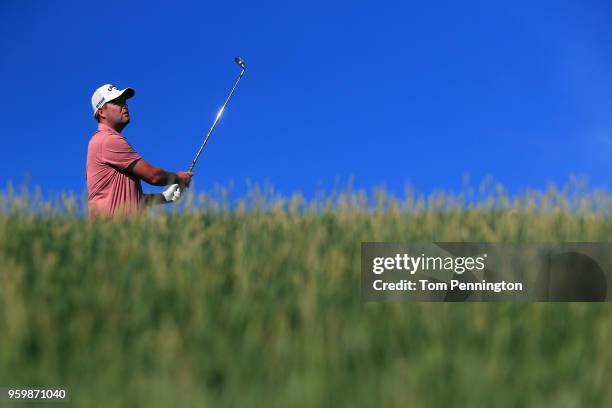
x: 154, y: 199
x: 156, y: 175
x: 164, y: 178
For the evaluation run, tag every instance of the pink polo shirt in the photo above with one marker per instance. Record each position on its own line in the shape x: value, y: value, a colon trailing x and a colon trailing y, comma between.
x: 111, y: 190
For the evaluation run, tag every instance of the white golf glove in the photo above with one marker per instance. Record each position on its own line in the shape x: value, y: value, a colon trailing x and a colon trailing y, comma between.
x: 172, y: 194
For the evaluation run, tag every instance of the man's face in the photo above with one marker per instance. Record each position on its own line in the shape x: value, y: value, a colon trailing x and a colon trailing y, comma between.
x: 115, y: 113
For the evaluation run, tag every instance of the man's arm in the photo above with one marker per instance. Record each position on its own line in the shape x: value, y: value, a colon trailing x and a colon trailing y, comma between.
x: 170, y: 195
x: 158, y: 176
x: 154, y: 199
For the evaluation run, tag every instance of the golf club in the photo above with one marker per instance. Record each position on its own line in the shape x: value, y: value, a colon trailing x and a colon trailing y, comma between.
x: 240, y: 62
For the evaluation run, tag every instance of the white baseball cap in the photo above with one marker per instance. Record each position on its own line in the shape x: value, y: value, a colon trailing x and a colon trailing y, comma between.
x: 106, y: 93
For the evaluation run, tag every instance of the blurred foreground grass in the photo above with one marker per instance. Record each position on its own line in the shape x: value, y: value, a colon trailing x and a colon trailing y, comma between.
x: 258, y: 304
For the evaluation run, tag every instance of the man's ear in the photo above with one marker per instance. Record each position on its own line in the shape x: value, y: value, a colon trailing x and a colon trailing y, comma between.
x: 101, y: 114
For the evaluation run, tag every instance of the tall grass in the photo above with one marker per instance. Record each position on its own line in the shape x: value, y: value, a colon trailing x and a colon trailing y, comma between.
x: 256, y: 302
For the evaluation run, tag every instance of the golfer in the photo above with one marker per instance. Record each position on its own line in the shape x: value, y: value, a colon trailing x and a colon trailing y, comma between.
x: 114, y: 168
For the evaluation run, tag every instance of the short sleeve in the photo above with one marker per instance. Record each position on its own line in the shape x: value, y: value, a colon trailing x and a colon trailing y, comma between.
x: 117, y: 152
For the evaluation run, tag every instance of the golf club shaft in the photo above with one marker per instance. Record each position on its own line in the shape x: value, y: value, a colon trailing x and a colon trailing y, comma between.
x: 193, y: 163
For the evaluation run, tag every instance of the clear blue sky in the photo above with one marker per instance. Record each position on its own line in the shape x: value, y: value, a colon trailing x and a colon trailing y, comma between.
x: 387, y: 92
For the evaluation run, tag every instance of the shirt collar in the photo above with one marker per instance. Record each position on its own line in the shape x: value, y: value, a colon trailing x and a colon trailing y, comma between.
x: 105, y: 128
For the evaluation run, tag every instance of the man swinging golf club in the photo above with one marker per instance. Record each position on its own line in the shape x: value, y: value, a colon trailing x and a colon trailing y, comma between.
x: 114, y: 168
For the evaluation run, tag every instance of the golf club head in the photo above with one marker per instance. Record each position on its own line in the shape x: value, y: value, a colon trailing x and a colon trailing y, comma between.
x: 240, y: 62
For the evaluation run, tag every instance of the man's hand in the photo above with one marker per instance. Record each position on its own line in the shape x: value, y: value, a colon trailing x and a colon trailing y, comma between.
x: 184, y: 178
x: 172, y: 194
